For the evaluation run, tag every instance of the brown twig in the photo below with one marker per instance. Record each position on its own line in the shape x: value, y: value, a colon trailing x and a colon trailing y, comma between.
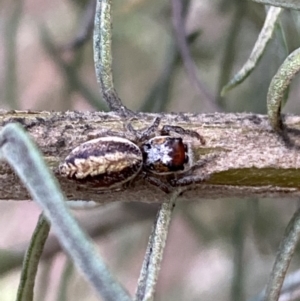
x: 189, y: 64
x: 251, y: 160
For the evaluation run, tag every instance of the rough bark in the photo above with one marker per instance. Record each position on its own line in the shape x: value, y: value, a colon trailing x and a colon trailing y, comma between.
x: 250, y: 159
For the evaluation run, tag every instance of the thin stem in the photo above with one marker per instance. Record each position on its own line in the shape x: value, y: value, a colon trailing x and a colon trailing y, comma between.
x: 189, y: 64
x: 279, y: 87
x: 103, y: 56
x: 290, y: 289
x: 258, y: 50
x: 32, y: 259
x: 85, y: 29
x: 158, y: 97
x: 291, y: 4
x: 154, y: 253
x: 230, y: 47
x: 283, y: 258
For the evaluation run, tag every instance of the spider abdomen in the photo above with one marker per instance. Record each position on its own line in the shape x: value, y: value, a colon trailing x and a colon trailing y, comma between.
x: 107, y: 161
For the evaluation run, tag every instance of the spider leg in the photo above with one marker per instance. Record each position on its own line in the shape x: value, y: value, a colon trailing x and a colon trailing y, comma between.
x: 145, y: 134
x: 202, y: 162
x: 157, y: 182
x: 167, y: 129
x: 189, y: 180
x: 105, y: 133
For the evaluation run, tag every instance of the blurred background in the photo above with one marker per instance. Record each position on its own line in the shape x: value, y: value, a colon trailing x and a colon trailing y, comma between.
x: 216, y: 249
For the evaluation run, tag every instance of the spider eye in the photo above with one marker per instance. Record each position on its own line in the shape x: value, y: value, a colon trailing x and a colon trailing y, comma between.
x: 147, y: 145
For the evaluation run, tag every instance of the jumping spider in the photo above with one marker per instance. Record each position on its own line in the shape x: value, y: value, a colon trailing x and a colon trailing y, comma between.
x: 111, y: 161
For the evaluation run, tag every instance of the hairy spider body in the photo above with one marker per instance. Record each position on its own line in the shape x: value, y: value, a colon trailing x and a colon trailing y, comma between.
x: 109, y: 162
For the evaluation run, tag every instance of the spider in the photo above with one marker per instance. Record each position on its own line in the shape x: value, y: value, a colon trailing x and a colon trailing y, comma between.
x: 111, y: 160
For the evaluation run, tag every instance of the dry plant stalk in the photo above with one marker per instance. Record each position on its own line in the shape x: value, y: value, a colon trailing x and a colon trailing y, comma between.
x: 251, y: 159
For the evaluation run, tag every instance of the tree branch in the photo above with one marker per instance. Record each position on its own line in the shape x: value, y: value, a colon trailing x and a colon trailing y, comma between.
x: 250, y: 159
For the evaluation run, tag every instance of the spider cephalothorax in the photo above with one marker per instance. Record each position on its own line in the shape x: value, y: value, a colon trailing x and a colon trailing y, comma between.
x: 165, y: 155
